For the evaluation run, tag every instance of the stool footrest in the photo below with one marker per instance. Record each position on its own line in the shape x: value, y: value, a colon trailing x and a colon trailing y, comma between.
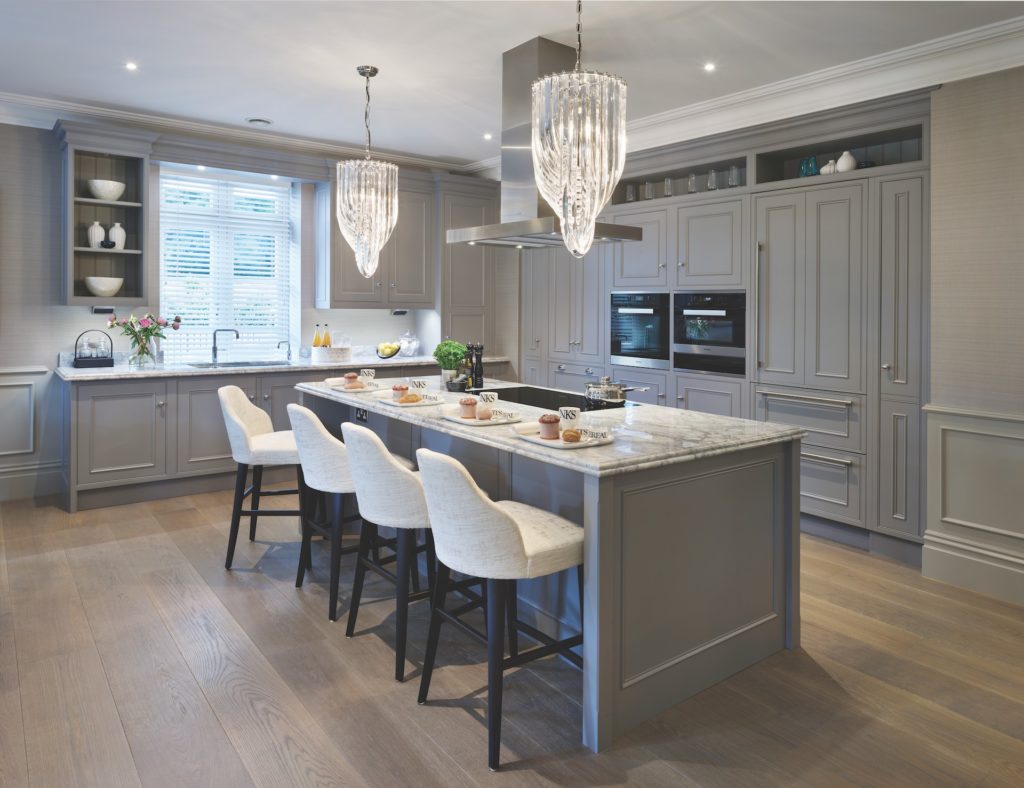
x: 272, y: 512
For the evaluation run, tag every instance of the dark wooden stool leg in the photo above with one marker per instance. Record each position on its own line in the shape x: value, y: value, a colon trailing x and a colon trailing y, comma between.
x: 367, y: 537
x: 440, y: 591
x: 257, y: 483
x: 406, y: 546
x: 414, y: 565
x: 513, y: 617
x: 497, y: 604
x: 337, y: 515
x: 305, y: 553
x: 236, y: 511
x: 431, y: 563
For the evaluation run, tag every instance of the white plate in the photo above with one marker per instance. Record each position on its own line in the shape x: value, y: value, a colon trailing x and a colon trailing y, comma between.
x: 452, y: 414
x: 389, y: 400
x: 531, y: 433
x: 371, y: 388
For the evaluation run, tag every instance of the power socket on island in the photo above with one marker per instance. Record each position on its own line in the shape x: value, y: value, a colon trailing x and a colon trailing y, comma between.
x: 361, y: 414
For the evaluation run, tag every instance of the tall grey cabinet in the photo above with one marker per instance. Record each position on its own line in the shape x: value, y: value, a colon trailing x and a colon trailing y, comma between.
x: 467, y: 272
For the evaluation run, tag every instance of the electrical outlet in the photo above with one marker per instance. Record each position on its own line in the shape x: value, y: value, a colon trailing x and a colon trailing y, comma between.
x: 361, y: 414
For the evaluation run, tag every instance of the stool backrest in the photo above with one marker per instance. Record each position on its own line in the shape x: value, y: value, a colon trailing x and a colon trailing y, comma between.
x: 471, y: 534
x: 324, y: 458
x: 243, y: 420
x: 389, y: 494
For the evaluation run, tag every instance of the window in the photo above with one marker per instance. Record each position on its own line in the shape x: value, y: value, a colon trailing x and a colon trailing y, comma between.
x: 225, y: 262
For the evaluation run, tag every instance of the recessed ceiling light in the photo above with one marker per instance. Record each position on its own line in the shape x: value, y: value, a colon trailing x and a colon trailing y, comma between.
x: 709, y: 66
x: 259, y: 121
x: 131, y: 65
x: 200, y: 167
x: 488, y: 136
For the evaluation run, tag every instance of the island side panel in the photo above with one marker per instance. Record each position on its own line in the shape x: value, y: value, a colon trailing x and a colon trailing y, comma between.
x: 791, y: 517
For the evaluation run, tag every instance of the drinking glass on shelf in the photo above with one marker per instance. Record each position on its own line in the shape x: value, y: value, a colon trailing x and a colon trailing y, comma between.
x: 630, y: 192
x: 691, y: 183
x: 712, y: 180
x: 648, y: 190
x: 668, y: 187
x: 734, y: 176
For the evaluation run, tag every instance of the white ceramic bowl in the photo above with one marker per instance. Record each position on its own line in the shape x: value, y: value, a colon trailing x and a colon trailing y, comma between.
x: 103, y: 286
x: 106, y: 190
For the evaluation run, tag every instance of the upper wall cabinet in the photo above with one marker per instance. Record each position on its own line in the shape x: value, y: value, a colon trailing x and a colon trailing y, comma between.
x: 467, y: 271
x: 642, y: 263
x: 114, y: 210
x: 709, y: 248
x: 405, y: 275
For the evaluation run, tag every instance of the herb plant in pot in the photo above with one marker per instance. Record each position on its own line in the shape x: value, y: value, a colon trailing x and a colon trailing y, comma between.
x: 449, y: 355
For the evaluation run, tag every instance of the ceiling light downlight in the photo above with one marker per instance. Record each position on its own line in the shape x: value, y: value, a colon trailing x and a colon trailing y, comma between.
x: 579, y: 144
x: 367, y: 204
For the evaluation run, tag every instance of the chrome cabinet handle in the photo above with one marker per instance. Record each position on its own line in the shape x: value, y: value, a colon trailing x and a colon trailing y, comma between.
x: 886, y: 367
x: 393, y: 284
x: 680, y: 265
x: 160, y: 404
x: 266, y: 397
x: 758, y: 246
x: 846, y: 403
x: 536, y: 341
x: 379, y: 284
x: 828, y: 460
x: 681, y: 398
x: 661, y: 395
x: 661, y: 265
x: 561, y: 367
x: 589, y: 371
x: 252, y: 398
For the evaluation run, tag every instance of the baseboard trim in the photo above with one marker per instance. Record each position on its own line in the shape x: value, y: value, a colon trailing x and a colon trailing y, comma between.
x: 894, y: 548
x: 952, y: 561
x: 38, y: 480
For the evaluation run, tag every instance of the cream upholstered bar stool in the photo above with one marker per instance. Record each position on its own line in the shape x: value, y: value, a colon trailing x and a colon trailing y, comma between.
x: 325, y: 474
x: 254, y: 444
x: 502, y: 542
x: 390, y: 495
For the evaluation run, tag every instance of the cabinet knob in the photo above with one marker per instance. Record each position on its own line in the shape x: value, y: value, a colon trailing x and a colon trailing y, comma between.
x: 886, y: 367
x: 661, y: 265
x: 252, y: 398
x: 681, y: 398
x: 661, y: 396
x: 680, y: 265
x: 589, y: 371
x: 561, y: 367
x: 160, y: 404
x: 266, y: 397
x: 379, y: 284
x: 392, y: 284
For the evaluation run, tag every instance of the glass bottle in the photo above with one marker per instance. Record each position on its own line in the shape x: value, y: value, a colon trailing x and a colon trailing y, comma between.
x: 630, y: 192
x: 712, y: 180
x: 316, y: 336
x: 812, y: 165
x: 668, y: 187
x: 648, y: 190
x: 734, y: 176
x: 691, y: 183
x: 325, y: 340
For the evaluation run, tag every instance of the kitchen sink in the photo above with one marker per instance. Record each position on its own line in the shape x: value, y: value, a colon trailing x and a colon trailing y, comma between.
x: 230, y: 364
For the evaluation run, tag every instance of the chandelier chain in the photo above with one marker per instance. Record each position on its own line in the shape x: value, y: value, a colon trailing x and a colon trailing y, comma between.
x: 579, y: 32
x: 366, y: 115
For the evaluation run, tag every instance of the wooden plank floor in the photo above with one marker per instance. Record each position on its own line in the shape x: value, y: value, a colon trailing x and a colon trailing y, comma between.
x: 128, y: 656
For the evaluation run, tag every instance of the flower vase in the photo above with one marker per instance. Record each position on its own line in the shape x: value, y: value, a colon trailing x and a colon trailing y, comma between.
x: 117, y: 235
x: 95, y: 234
x: 143, y: 354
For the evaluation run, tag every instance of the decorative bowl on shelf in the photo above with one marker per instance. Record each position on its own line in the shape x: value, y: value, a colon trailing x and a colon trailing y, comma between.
x: 107, y: 244
x: 103, y: 286
x: 106, y: 190
x: 388, y: 349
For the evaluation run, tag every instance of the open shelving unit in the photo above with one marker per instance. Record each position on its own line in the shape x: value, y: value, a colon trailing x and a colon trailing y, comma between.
x: 680, y: 178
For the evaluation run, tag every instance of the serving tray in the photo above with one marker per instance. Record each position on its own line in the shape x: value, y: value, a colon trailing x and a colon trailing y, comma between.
x: 371, y: 388
x: 531, y: 433
x: 452, y: 414
x: 424, y: 403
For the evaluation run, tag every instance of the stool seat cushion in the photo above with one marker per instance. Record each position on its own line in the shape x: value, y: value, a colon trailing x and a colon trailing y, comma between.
x: 551, y: 543
x: 273, y: 448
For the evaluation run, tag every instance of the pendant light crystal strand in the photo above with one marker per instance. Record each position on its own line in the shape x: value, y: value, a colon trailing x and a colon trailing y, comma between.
x: 579, y: 144
x: 367, y: 198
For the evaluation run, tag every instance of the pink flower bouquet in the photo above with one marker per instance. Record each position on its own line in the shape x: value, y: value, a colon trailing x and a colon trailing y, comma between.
x: 142, y: 331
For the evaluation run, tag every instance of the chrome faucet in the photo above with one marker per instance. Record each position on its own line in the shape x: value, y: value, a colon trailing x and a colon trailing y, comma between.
x: 217, y: 331
x: 289, y: 344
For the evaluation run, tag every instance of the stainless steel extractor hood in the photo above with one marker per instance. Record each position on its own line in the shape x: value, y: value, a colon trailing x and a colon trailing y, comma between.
x: 527, y: 221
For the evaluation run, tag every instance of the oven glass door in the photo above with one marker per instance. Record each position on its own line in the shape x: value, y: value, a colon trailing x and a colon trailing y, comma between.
x: 639, y: 329
x: 711, y: 320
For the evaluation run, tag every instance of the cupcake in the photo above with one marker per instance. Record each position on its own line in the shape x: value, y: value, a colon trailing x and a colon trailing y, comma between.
x: 549, y: 426
x: 398, y: 391
x: 351, y: 377
x: 467, y: 407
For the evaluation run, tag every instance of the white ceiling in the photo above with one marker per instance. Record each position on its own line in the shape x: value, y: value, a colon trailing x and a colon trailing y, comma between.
x: 439, y: 86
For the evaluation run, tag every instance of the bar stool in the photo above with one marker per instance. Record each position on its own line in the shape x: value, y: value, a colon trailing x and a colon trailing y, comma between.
x: 254, y: 444
x: 502, y: 542
x: 325, y: 476
x: 390, y: 495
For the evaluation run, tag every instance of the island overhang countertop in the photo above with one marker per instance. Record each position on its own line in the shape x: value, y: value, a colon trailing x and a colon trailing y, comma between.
x: 645, y: 436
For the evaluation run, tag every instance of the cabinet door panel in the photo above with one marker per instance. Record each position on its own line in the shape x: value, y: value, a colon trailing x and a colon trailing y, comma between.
x: 276, y: 392
x: 467, y: 327
x: 709, y: 244
x: 348, y: 286
x: 902, y: 258
x: 122, y: 431
x: 466, y: 275
x: 534, y: 373
x: 590, y: 305
x: 534, y: 310
x: 832, y: 485
x: 779, y: 289
x: 642, y: 263
x: 573, y: 377
x: 561, y: 298
x: 202, y: 439
x: 899, y: 467
x: 410, y: 251
x: 709, y: 395
x: 834, y: 342
x: 836, y: 421
x: 656, y: 384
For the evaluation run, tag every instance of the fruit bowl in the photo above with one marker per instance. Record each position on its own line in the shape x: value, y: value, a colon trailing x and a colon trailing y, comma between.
x: 103, y: 286
x: 388, y: 349
x: 106, y: 190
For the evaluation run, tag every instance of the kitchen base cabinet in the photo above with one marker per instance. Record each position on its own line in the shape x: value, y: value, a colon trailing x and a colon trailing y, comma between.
x: 899, y: 467
x: 835, y: 420
x: 708, y: 394
x: 655, y: 383
x: 276, y: 392
x: 573, y: 377
x: 832, y: 484
x: 120, y: 431
x: 203, y: 445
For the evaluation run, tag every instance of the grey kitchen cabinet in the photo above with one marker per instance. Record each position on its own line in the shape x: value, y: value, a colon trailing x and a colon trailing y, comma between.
x: 466, y: 271
x: 121, y: 431
x: 533, y: 321
x: 533, y: 372
x: 709, y: 244
x: 576, y: 306
x: 410, y: 252
x: 899, y: 467
x: 778, y: 288
x: 655, y: 383
x: 642, y: 263
x: 276, y: 392
x: 202, y: 440
x: 809, y: 280
x: 901, y: 235
x: 709, y: 394
x: 573, y: 377
x: 834, y: 420
x: 834, y: 289
x: 832, y: 484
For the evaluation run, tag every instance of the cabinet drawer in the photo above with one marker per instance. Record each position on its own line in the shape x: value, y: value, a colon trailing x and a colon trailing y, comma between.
x: 709, y: 395
x: 832, y: 484
x: 831, y: 419
x: 572, y: 377
x: 656, y: 384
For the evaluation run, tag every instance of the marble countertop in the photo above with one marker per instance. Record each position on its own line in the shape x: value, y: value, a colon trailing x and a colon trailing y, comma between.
x: 646, y: 436
x: 124, y: 372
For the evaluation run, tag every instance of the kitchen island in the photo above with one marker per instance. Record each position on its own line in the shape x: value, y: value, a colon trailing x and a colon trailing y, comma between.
x: 691, y: 552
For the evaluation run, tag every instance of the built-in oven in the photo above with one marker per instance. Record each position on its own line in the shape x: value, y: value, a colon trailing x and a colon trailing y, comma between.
x: 639, y: 330
x: 710, y: 332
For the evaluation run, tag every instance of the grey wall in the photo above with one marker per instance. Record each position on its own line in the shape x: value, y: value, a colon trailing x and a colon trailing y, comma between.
x: 977, y: 248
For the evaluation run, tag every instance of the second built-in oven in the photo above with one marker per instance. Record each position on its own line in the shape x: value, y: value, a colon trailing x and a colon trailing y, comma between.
x: 639, y: 330
x: 710, y: 332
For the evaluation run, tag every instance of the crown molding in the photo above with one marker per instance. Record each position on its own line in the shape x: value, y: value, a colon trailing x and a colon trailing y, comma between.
x: 963, y: 55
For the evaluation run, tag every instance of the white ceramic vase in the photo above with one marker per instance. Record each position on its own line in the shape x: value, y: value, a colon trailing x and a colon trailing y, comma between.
x: 117, y: 235
x: 829, y: 168
x: 95, y: 233
x: 846, y: 162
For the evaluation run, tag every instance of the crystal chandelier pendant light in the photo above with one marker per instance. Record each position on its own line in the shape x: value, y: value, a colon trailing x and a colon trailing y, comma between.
x: 367, y: 200
x: 579, y: 144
